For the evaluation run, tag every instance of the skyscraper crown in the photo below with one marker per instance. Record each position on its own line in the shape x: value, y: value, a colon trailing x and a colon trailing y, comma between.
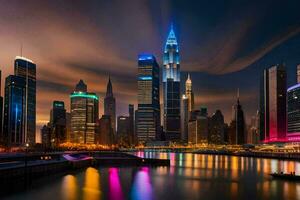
x: 81, y: 86
x: 109, y: 91
x: 171, y: 40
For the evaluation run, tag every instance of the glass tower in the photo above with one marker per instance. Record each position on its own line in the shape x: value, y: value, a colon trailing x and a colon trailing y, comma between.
x: 148, y: 113
x: 110, y: 106
x: 293, y: 112
x: 84, y: 114
x: 171, y: 88
x: 26, y: 68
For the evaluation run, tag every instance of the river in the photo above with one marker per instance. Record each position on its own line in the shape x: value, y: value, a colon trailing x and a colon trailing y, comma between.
x: 190, y: 176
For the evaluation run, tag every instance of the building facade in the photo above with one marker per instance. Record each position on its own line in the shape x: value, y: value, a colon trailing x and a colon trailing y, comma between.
x: 20, y: 103
x: 84, y: 114
x: 148, y: 112
x: 123, y: 131
x: 293, y: 113
x: 105, y: 132
x: 171, y: 88
x: 184, y: 118
x: 216, y: 128
x: 110, y: 105
x: 58, y: 123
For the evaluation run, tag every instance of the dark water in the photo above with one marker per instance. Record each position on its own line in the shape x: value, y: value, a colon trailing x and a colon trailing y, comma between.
x: 190, y: 176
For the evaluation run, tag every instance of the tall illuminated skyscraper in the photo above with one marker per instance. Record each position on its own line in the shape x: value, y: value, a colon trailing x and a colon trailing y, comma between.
x: 20, y: 103
x: 189, y: 93
x: 148, y: 113
x: 110, y: 106
x: 84, y: 114
x: 273, y: 104
x: 293, y: 113
x: 26, y: 68
x: 184, y: 116
x: 171, y: 88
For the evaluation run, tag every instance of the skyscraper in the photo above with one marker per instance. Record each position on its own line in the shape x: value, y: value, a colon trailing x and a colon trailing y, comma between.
x: 184, y: 117
x: 26, y: 69
x: 293, y: 112
x: 14, y: 110
x: 216, y: 128
x: 110, y: 105
x: 84, y: 113
x: 264, y: 106
x: 58, y: 123
x: 275, y: 104
x: 104, y: 135
x: 189, y: 93
x: 123, y: 131
x: 171, y: 88
x: 131, y: 123
x: 148, y: 113
x: 240, y: 130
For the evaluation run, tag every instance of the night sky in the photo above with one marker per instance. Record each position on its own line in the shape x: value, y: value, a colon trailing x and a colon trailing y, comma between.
x: 224, y: 44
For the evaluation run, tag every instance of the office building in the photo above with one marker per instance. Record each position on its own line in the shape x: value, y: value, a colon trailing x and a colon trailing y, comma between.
x: 20, y: 103
x: 184, y: 118
x: 273, y: 105
x: 189, y: 93
x: 293, y: 113
x: 105, y: 132
x: 171, y: 88
x: 110, y: 105
x: 84, y: 113
x: 148, y: 112
x: 58, y: 123
x: 123, y: 131
x: 216, y: 128
x: 131, y: 123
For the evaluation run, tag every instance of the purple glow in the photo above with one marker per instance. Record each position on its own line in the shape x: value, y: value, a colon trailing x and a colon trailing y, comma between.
x: 71, y: 157
x: 115, y: 188
x: 293, y: 87
x: 142, y: 188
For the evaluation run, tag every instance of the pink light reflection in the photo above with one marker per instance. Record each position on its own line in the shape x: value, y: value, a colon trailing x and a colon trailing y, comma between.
x: 115, y: 188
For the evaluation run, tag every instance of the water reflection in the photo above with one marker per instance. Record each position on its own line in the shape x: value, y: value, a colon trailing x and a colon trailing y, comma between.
x: 69, y: 187
x: 91, y: 189
x: 115, y: 188
x: 142, y: 188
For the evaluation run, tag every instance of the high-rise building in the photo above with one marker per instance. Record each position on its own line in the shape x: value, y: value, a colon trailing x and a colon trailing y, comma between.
x: 68, y: 126
x: 240, y: 130
x: 189, y: 93
x: 58, y: 123
x: 84, y: 113
x: 131, y: 123
x: 26, y: 69
x: 46, y: 136
x: 264, y: 106
x: 171, y: 88
x: 105, y: 133
x: 110, y: 105
x: 216, y: 128
x: 274, y: 104
x: 184, y: 117
x: 148, y: 113
x: 198, y: 128
x: 14, y: 110
x: 123, y: 130
x: 293, y: 113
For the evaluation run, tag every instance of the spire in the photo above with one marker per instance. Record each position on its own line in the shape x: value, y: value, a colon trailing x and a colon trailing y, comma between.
x: 109, y: 91
x: 188, y: 80
x: 171, y: 40
x: 81, y: 86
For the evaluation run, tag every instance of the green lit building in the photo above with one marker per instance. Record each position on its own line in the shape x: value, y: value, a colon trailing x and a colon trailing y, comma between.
x: 84, y: 114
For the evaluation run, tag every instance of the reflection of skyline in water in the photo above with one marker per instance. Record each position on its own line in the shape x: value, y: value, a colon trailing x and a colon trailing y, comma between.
x: 115, y: 188
x: 142, y: 188
x: 190, y: 176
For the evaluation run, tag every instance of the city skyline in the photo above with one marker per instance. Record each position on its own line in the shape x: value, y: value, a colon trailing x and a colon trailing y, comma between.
x: 90, y: 64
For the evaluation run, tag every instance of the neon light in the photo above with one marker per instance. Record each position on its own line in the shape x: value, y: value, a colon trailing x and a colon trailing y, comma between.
x: 84, y: 95
x: 145, y: 78
x: 293, y: 87
x: 146, y: 57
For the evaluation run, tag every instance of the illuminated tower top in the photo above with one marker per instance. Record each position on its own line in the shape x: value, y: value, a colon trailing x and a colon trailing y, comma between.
x: 171, y: 69
x: 189, y: 93
x: 109, y: 91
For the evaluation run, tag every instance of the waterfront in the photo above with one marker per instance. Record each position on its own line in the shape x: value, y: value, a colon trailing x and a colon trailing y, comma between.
x: 190, y: 176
